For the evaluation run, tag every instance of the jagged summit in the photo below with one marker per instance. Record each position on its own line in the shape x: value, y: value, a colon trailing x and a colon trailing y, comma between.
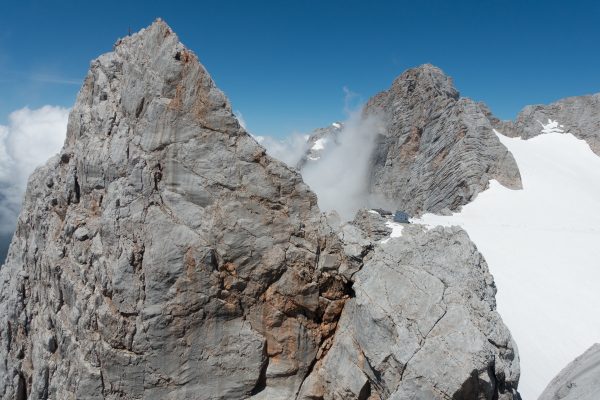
x: 160, y: 75
x: 423, y: 78
x: 439, y: 149
x: 163, y: 253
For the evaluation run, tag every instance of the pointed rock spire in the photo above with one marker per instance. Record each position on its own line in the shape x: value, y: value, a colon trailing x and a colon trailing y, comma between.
x: 163, y: 254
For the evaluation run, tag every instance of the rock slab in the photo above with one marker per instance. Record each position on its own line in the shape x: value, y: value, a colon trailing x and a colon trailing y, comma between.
x: 422, y: 325
x: 580, y: 380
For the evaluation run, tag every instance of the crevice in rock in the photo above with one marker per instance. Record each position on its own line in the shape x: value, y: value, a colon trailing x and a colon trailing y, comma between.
x: 140, y: 108
x: 76, y: 190
x: 21, y: 392
x: 365, y: 392
x: 472, y: 387
x: 157, y: 175
x: 261, y: 383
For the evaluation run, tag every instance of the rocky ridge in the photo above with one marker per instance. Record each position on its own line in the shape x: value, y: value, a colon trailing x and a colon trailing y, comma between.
x: 422, y: 324
x: 579, y: 115
x: 163, y: 254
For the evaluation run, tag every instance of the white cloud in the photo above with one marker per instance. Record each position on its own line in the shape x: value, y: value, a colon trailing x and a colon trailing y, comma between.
x: 289, y: 150
x: 340, y: 177
x: 29, y: 139
x: 240, y: 117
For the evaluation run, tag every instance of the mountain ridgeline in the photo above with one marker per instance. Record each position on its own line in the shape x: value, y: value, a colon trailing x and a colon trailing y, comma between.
x: 439, y: 150
x: 163, y: 254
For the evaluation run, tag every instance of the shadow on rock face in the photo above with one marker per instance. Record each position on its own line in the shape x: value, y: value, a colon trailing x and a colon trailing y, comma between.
x: 473, y: 387
x: 4, y: 243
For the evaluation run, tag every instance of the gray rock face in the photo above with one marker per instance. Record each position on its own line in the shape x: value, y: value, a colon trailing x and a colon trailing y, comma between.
x: 580, y: 380
x: 578, y: 115
x: 439, y: 150
x: 163, y: 254
x: 423, y: 325
x: 372, y: 224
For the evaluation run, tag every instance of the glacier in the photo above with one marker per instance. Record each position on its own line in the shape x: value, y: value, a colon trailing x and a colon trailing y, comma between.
x: 542, y: 246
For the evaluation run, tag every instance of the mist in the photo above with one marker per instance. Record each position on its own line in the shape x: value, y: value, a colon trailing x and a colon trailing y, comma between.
x: 289, y: 150
x: 340, y: 178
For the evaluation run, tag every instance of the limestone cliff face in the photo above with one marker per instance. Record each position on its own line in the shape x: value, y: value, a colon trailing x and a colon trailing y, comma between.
x: 439, y: 150
x: 422, y: 325
x: 163, y: 255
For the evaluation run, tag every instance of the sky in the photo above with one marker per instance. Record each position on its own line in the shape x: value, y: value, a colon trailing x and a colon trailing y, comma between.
x: 284, y: 64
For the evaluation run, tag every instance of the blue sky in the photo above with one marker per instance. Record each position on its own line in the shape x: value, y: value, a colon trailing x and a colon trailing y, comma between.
x: 284, y: 64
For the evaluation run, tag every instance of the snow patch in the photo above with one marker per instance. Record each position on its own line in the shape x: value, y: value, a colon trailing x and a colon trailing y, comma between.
x: 396, y: 230
x: 541, y: 245
x: 259, y: 139
x: 336, y: 125
x: 319, y: 144
x: 552, y: 127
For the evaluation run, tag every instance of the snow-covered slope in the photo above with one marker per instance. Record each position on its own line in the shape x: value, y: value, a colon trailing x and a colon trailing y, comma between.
x: 542, y: 245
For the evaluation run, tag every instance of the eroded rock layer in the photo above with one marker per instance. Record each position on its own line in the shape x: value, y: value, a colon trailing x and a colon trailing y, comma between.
x: 579, y: 115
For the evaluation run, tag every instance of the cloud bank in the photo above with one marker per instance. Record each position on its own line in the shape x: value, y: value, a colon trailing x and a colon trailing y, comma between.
x: 289, y: 150
x: 340, y: 178
x: 29, y: 139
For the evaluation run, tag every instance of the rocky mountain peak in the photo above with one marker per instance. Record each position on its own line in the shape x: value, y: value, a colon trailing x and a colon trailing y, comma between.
x: 423, y: 79
x: 148, y: 73
x: 439, y: 149
x: 163, y: 253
